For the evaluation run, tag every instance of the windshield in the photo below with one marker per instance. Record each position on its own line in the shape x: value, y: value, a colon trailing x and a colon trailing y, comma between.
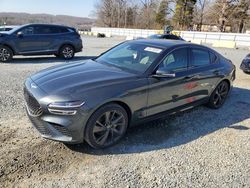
x: 133, y: 57
x: 14, y: 29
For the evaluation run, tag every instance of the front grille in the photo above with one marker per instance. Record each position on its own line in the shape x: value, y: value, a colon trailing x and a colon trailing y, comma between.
x: 45, y: 128
x: 61, y: 129
x: 33, y: 106
x: 40, y: 126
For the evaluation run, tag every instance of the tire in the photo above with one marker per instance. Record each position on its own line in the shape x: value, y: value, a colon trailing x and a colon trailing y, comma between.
x: 106, y: 126
x: 219, y: 95
x: 67, y: 52
x: 6, y: 54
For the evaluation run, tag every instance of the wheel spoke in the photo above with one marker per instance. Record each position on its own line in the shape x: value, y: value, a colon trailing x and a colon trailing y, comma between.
x: 100, y: 124
x: 103, y: 138
x: 112, y: 116
x: 107, y: 117
x: 117, y: 120
x: 216, y: 99
x: 116, y: 131
x: 98, y: 129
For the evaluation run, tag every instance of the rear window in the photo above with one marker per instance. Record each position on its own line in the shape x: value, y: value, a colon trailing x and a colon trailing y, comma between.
x: 213, y: 57
x: 171, y: 37
x: 63, y: 30
x: 199, y: 57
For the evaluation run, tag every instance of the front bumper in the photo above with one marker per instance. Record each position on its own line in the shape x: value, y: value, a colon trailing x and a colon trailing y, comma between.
x: 63, y: 128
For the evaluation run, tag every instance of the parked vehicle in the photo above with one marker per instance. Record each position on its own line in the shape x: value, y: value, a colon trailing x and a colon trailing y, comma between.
x: 165, y: 36
x: 5, y: 28
x: 40, y: 39
x: 97, y: 100
x: 245, y: 65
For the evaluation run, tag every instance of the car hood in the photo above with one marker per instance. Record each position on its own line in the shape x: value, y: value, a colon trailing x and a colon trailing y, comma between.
x: 70, y: 78
x: 3, y: 33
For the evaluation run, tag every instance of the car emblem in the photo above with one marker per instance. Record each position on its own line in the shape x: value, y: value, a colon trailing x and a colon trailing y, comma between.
x: 33, y: 85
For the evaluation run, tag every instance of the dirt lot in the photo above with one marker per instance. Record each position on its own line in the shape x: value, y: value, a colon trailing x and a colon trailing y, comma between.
x: 199, y: 148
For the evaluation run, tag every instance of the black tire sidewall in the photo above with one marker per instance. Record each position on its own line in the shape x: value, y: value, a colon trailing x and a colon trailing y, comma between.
x: 89, y: 136
x: 11, y: 54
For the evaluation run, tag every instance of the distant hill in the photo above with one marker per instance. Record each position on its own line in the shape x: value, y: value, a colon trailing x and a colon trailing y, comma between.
x: 23, y: 18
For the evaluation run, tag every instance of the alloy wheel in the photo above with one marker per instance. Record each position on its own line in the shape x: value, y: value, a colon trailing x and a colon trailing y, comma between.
x: 4, y: 54
x: 109, y: 128
x: 68, y: 52
x: 220, y: 94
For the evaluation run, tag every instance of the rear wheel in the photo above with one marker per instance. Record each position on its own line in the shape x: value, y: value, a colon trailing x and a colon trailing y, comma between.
x: 67, y: 52
x: 6, y: 54
x: 219, y: 95
x: 106, y: 126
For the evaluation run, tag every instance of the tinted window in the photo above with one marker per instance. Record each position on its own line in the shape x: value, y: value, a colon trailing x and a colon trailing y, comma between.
x: 213, y: 57
x: 200, y: 57
x: 43, y: 30
x: 176, y: 60
x: 28, y: 30
x: 171, y: 37
x: 63, y: 30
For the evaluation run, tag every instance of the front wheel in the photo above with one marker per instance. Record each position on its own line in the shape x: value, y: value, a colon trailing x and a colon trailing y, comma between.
x: 67, y: 52
x: 219, y: 95
x: 106, y: 126
x: 6, y: 54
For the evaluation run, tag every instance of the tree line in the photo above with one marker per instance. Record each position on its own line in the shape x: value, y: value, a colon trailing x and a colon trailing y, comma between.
x: 181, y: 14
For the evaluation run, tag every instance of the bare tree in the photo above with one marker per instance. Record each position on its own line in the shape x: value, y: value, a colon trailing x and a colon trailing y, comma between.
x: 241, y: 14
x: 200, y: 12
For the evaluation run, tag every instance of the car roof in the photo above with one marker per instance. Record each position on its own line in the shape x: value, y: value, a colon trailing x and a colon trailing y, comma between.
x: 3, y: 26
x: 162, y: 43
x: 32, y: 24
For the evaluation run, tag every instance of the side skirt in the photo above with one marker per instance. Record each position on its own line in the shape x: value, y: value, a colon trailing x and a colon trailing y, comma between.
x: 171, y: 112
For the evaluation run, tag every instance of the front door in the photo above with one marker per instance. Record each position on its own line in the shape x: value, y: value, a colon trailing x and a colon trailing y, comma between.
x: 32, y: 40
x: 168, y: 93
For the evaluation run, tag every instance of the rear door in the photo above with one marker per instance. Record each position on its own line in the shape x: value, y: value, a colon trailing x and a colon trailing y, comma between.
x: 204, y: 72
x: 46, y: 35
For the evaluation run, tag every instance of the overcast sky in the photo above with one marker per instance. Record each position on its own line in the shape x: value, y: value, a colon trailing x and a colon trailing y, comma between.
x: 81, y: 8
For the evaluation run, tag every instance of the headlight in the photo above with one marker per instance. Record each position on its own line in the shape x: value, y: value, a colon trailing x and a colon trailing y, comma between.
x: 65, y: 108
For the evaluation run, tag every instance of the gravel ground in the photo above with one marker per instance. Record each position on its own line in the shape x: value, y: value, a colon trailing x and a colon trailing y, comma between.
x: 198, y: 148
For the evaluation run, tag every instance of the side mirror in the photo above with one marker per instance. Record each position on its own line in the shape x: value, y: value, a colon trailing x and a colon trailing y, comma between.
x: 164, y: 74
x: 20, y: 34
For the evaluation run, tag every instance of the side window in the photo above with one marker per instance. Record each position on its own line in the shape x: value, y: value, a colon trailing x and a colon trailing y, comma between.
x: 199, y: 57
x: 64, y: 30
x: 176, y: 60
x: 213, y: 57
x: 42, y: 30
x: 28, y: 30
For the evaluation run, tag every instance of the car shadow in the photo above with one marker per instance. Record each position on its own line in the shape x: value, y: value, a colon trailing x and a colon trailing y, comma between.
x: 180, y: 129
x: 47, y: 59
